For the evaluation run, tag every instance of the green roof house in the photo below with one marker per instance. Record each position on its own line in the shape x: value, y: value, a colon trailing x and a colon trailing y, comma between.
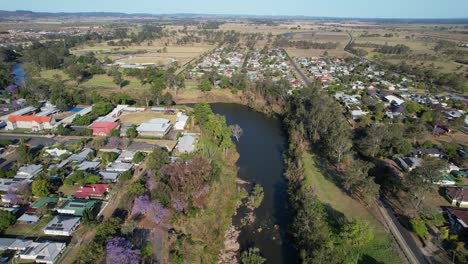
x: 75, y: 207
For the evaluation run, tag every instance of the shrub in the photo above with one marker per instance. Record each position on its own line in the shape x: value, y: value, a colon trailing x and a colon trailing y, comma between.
x: 419, y: 227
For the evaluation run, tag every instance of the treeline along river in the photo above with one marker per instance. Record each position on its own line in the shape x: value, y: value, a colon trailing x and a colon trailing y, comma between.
x: 261, y: 150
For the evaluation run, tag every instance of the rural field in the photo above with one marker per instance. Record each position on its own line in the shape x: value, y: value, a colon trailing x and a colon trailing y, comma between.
x: 98, y: 80
x: 149, y: 53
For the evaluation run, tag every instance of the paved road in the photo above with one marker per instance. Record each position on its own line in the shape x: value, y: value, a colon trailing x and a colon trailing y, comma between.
x: 293, y: 63
x: 34, y: 140
x: 411, y: 250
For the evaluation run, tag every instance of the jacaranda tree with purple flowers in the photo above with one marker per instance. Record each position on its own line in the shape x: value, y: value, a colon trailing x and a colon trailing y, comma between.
x: 11, y: 197
x: 153, y: 210
x: 120, y: 251
x: 12, y: 89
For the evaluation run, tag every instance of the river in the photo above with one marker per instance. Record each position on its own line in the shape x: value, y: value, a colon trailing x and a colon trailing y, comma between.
x: 18, y: 73
x: 261, y: 149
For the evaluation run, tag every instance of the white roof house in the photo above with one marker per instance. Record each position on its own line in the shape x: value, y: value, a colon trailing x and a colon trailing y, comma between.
x: 109, y: 176
x: 56, y: 152
x: 125, y: 156
x: 27, y: 218
x: 88, y: 165
x: 119, y: 167
x: 157, y: 127
x: 62, y: 225
x: 186, y: 144
x: 181, y: 121
x: 28, y: 172
x: 6, y: 184
x: 394, y: 99
x: 42, y: 252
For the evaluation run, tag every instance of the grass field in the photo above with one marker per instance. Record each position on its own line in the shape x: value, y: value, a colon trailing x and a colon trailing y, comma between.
x: 99, y: 80
x: 141, y: 117
x: 340, y: 37
x: 35, y: 230
x: 180, y: 54
x: 381, y: 247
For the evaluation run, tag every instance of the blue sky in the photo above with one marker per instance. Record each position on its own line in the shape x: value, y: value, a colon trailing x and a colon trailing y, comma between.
x: 330, y: 8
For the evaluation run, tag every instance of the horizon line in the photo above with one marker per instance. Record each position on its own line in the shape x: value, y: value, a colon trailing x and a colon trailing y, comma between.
x: 239, y: 15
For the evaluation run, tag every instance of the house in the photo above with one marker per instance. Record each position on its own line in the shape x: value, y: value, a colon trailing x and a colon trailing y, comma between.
x: 458, y: 218
x: 157, y: 127
x: 27, y: 249
x: 186, y: 144
x: 28, y: 219
x: 6, y: 184
x: 56, y: 152
x: 46, y: 201
x: 33, y: 122
x: 103, y: 128
x: 446, y: 181
x: 88, y: 165
x: 393, y: 100
x: 75, y: 207
x: 109, y: 176
x: 457, y: 195
x: 62, y: 225
x: 431, y: 152
x: 358, y: 114
x: 80, y: 157
x: 119, y: 167
x: 409, y: 163
x: 181, y: 121
x: 28, y: 172
x: 42, y: 252
x: 126, y: 156
x: 92, y: 190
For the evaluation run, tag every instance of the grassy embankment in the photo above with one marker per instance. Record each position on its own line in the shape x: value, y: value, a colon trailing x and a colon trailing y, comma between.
x: 381, y: 248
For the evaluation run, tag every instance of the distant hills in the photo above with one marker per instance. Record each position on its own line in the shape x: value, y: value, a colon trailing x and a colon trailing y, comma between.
x: 19, y: 15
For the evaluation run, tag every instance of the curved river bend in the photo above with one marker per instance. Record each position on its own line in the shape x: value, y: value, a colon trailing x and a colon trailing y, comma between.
x: 261, y: 150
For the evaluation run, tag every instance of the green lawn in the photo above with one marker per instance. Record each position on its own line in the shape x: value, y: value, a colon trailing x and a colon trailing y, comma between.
x: 20, y: 229
x: 191, y: 85
x: 99, y: 80
x: 382, y: 247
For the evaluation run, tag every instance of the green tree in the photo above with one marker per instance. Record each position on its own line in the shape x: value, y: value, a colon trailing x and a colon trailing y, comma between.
x: 131, y: 132
x: 107, y: 229
x: 101, y: 108
x: 81, y: 120
x: 24, y: 154
x: 109, y: 156
x: 118, y: 79
x: 156, y: 159
x: 252, y: 256
x: 204, y: 86
x: 41, y: 187
x: 419, y: 227
x: 6, y: 219
x: 138, y: 157
x: 89, y: 253
x: 421, y: 180
x: 114, y: 133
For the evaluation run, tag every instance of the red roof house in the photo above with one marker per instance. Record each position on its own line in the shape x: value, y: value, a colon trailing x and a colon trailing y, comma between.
x: 30, y: 121
x: 103, y: 128
x: 92, y: 190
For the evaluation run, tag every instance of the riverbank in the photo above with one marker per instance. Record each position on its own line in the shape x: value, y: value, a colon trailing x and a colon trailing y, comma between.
x: 261, y: 149
x: 381, y: 248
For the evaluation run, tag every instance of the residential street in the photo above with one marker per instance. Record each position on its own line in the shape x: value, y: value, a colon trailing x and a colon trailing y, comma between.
x: 406, y: 242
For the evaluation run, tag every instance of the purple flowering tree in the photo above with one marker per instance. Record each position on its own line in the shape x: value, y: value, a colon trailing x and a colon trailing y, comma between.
x: 12, y: 89
x: 119, y: 251
x: 152, y: 210
x: 115, y: 142
x: 11, y: 197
